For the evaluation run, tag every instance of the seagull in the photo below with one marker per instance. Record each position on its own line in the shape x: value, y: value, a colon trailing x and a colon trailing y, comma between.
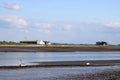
x: 87, y: 63
x: 21, y: 63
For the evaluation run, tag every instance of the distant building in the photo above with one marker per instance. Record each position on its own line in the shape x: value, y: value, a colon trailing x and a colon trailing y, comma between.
x: 33, y: 42
x: 101, y: 43
x: 47, y: 42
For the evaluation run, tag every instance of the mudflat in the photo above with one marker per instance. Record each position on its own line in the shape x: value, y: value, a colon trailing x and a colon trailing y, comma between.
x: 56, y: 48
x: 79, y: 63
x: 62, y: 73
x: 84, y: 63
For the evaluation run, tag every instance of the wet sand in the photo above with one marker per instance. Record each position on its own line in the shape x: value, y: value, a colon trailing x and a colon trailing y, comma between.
x: 66, y: 64
x: 64, y: 70
x: 80, y: 63
x: 56, y: 48
x: 105, y: 75
x: 62, y: 73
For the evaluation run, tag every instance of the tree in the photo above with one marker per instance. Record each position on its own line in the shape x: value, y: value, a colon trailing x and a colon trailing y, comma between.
x: 101, y: 43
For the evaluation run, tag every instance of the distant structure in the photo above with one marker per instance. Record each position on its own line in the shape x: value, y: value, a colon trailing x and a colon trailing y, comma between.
x: 47, y: 42
x: 101, y: 43
x: 33, y: 42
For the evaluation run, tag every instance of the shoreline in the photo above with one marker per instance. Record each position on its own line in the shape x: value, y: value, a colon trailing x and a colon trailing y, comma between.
x: 57, y: 48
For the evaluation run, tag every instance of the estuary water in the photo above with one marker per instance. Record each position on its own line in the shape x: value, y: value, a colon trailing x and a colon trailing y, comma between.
x: 16, y: 58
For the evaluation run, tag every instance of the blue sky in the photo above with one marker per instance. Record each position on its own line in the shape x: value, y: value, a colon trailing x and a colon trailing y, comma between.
x: 65, y: 21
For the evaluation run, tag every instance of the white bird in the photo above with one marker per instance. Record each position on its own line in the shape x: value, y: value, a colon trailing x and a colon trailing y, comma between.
x: 87, y: 63
x: 22, y: 64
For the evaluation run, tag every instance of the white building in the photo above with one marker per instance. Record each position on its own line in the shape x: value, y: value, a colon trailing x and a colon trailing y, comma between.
x: 40, y: 42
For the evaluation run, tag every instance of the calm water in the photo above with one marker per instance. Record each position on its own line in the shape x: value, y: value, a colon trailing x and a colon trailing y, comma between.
x: 15, y: 58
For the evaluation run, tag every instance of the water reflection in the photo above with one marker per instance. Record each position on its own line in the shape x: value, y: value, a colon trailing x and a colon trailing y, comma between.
x: 15, y: 58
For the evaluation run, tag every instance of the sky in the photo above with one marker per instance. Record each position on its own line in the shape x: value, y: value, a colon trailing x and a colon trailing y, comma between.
x: 61, y: 21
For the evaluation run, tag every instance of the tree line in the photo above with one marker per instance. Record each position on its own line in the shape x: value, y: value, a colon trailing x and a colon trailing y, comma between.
x: 8, y: 43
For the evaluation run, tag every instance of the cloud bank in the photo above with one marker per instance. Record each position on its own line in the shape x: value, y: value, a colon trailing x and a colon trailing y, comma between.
x: 75, y: 32
x: 11, y: 6
x: 12, y: 22
x: 113, y: 24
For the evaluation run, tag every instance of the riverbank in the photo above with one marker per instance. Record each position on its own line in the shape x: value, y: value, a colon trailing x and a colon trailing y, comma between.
x: 56, y: 48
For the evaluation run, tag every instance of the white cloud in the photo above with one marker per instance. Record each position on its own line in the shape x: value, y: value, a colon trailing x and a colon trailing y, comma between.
x: 42, y: 24
x: 15, y: 21
x: 24, y: 30
x: 67, y: 26
x: 47, y: 31
x: 113, y: 24
x: 11, y: 6
x: 46, y: 27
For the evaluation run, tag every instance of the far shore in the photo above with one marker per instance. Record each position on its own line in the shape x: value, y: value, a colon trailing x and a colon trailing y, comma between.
x: 56, y: 48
